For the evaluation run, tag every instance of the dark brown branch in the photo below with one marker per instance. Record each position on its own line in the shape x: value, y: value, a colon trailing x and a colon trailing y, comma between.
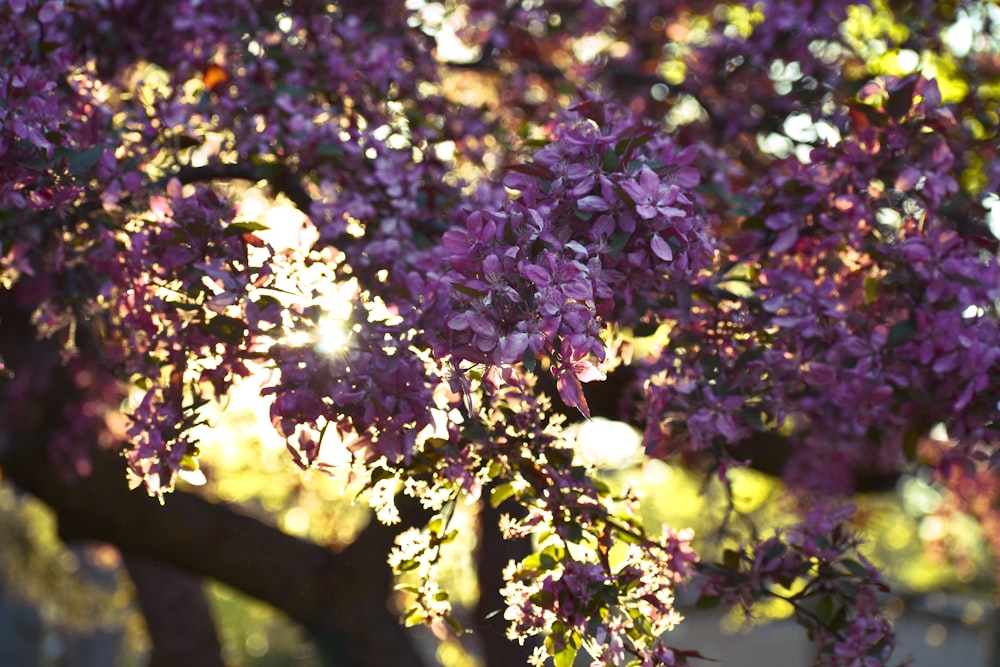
x: 340, y: 598
x: 767, y: 452
x: 492, y: 555
x: 278, y: 176
x: 177, y: 615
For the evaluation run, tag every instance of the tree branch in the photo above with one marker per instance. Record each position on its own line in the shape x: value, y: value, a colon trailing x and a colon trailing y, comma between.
x: 278, y: 176
x: 492, y: 555
x: 177, y: 615
x: 339, y: 598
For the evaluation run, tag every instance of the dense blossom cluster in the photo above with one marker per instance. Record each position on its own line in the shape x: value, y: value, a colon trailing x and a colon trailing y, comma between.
x: 605, y: 223
x: 836, y: 294
x: 850, y: 296
x: 837, y: 600
x: 564, y: 594
x: 48, y: 123
x: 374, y: 391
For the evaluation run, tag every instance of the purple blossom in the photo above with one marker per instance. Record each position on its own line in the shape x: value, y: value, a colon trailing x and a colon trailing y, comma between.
x: 652, y: 197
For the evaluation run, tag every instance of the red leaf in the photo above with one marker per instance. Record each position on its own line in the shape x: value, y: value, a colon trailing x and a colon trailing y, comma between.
x: 571, y: 392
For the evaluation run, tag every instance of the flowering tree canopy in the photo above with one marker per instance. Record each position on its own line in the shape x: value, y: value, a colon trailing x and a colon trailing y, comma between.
x: 766, y: 225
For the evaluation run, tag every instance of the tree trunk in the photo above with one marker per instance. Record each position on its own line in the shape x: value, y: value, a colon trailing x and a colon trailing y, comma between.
x: 177, y: 615
x: 340, y: 598
x: 492, y: 555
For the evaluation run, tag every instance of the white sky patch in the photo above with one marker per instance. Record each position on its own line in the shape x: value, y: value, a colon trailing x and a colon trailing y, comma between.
x: 604, y: 443
x: 939, y: 432
x: 784, y: 75
x: 992, y: 204
x: 800, y: 127
x: 686, y: 110
x: 775, y: 144
x: 908, y: 60
x: 967, y: 34
x: 959, y: 36
x: 589, y: 47
x: 799, y: 134
x: 973, y: 311
x: 827, y: 132
x: 889, y: 217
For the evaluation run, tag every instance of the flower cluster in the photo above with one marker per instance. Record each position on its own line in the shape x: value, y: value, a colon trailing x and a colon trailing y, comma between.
x: 850, y: 312
x: 814, y: 566
x: 374, y: 390
x: 604, y: 222
x: 614, y: 612
x: 196, y: 330
x: 46, y: 128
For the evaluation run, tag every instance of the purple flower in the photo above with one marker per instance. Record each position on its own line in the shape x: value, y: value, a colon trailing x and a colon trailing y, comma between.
x: 652, y: 197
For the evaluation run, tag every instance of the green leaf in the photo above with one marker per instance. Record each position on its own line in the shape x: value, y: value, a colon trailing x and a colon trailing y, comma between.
x: 574, y: 533
x: 82, y: 162
x: 708, y: 601
x: 546, y: 561
x: 564, y: 658
x: 898, y: 276
x: 408, y: 565
x: 900, y: 334
x: 468, y: 291
x: 529, y: 360
x: 182, y: 305
x: 871, y: 289
x: 910, y: 440
x: 628, y: 538
x: 775, y: 550
x: 636, y: 165
x: 500, y: 493
x: 453, y: 623
x: 754, y: 419
x: 855, y: 568
x: 227, y: 329
x: 35, y: 164
x: 543, y: 599
x: 413, y: 616
x: 409, y: 588
x: 328, y: 150
x: 378, y: 474
x: 189, y: 462
x: 839, y: 619
x: 825, y: 610
x: 238, y: 228
x: 610, y: 161
x: 617, y: 242
x: 530, y: 564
